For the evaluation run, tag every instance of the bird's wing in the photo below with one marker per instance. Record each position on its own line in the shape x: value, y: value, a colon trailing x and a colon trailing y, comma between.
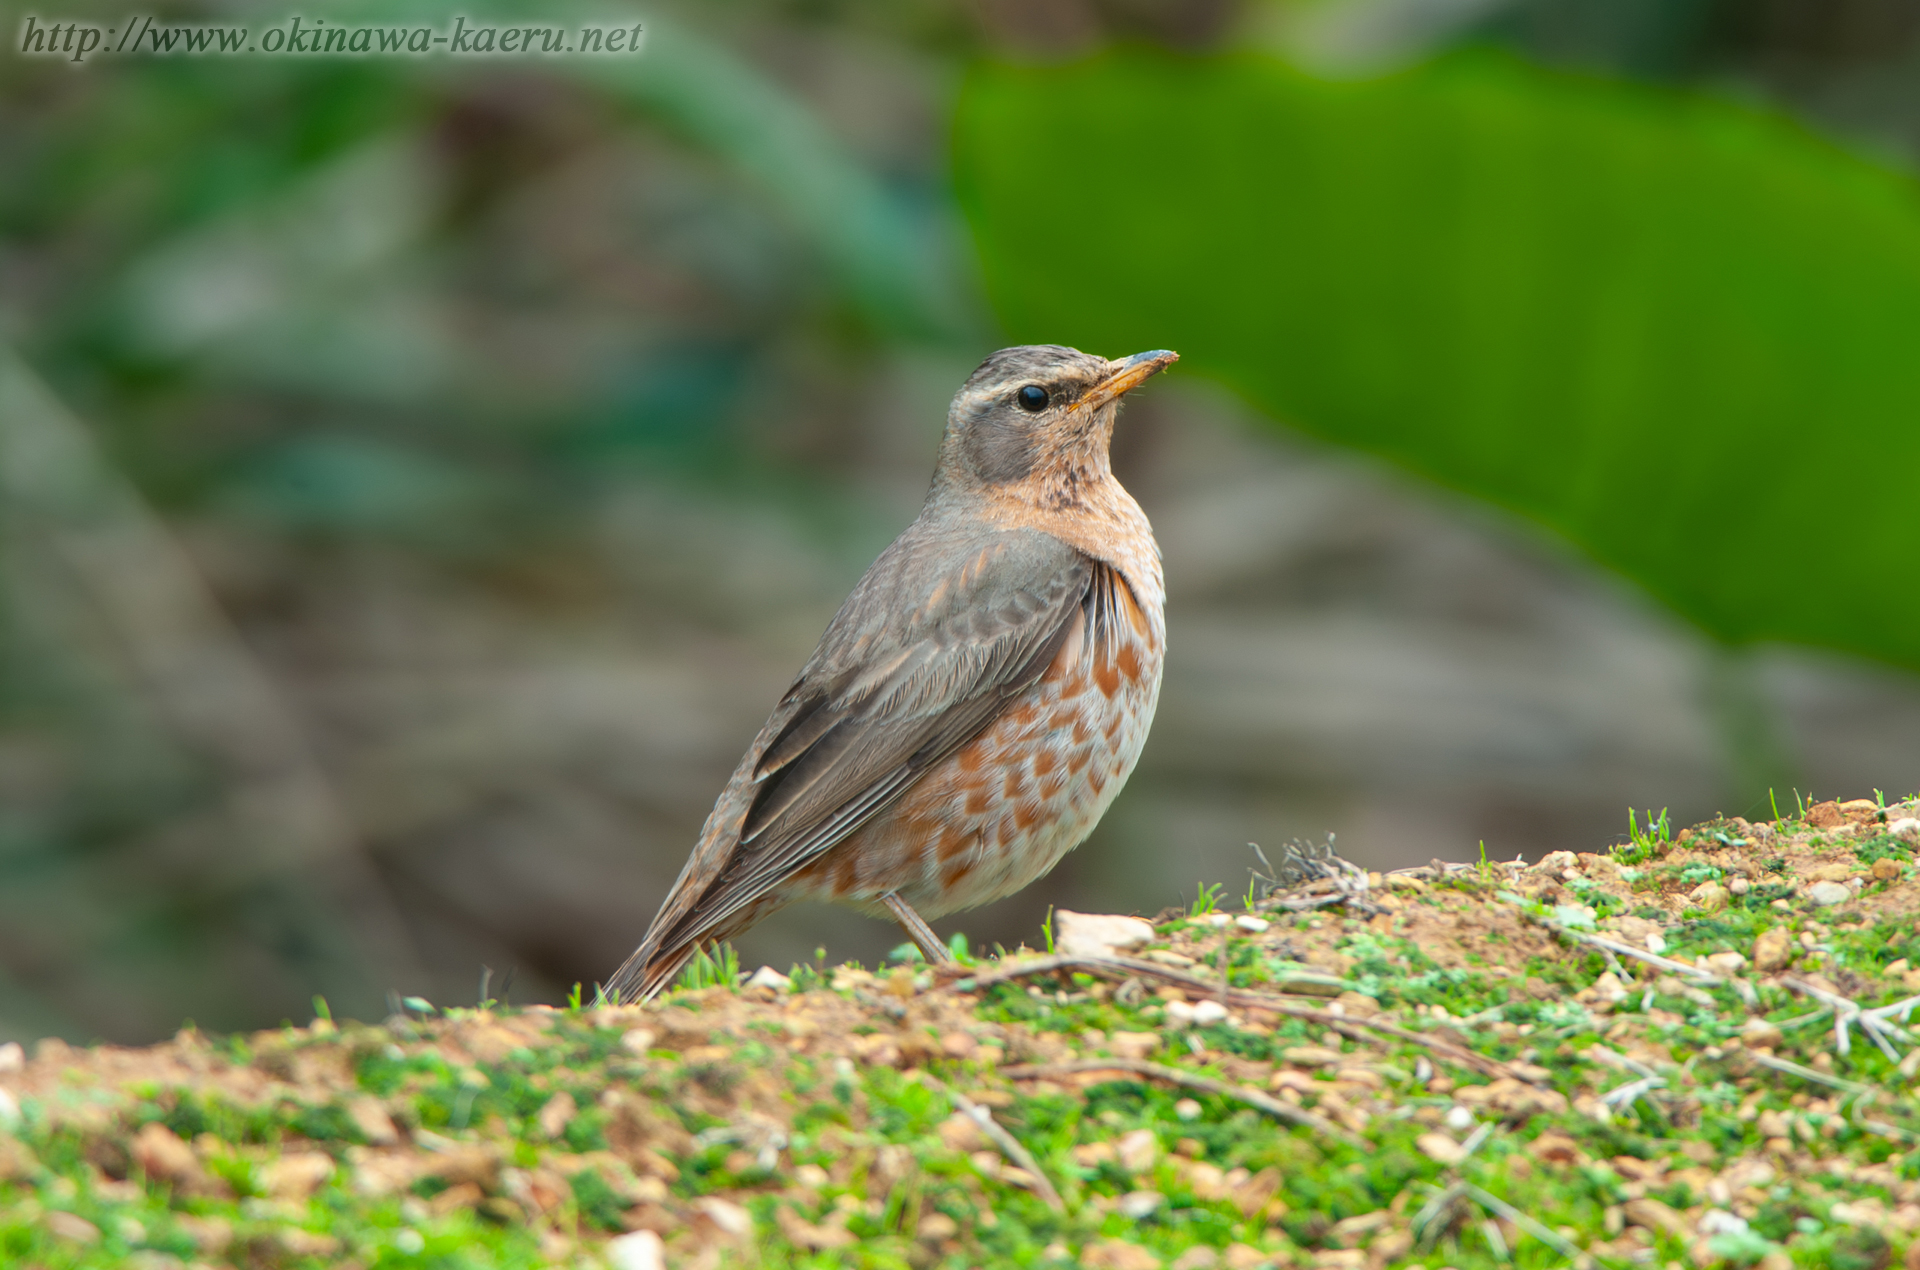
x: 940, y: 634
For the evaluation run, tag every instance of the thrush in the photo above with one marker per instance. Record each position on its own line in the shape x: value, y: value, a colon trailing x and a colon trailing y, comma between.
x: 977, y: 702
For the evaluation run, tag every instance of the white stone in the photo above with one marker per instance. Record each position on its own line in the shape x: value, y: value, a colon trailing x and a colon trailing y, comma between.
x: 1217, y: 920
x: 768, y: 977
x: 1655, y: 943
x: 1438, y: 1146
x: 1207, y: 1013
x: 641, y: 1250
x: 1608, y: 987
x: 1251, y: 924
x: 1187, y: 1109
x: 1136, y: 1205
x: 12, y: 1057
x: 1179, y: 1014
x: 1726, y: 963
x: 1097, y: 934
x: 10, y: 1110
x: 727, y: 1215
x: 1827, y: 894
x: 1906, y: 827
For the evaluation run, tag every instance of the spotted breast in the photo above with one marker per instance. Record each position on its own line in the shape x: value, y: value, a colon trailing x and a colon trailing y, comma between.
x: 1006, y: 806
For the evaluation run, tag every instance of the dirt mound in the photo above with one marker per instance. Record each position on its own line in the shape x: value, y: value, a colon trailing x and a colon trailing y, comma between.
x: 1678, y: 1050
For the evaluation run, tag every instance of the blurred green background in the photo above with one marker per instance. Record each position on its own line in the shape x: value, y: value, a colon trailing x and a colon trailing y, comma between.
x: 418, y: 478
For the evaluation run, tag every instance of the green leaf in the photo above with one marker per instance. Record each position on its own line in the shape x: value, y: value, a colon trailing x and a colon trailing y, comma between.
x: 1683, y: 334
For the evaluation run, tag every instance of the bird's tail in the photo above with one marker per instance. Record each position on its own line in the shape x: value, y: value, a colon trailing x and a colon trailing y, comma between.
x: 648, y: 973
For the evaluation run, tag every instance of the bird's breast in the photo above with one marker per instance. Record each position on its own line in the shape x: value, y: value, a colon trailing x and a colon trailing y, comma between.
x: 1005, y: 807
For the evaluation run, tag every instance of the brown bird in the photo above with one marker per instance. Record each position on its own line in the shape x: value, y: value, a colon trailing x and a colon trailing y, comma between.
x: 977, y: 702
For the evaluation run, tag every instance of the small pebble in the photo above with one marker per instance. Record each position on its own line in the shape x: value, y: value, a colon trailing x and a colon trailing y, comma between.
x: 1827, y: 894
x: 72, y: 1227
x: 1251, y: 924
x: 768, y: 977
x: 1187, y: 1109
x: 641, y: 1250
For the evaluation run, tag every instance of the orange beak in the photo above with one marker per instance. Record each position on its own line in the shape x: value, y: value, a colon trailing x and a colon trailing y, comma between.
x: 1128, y: 375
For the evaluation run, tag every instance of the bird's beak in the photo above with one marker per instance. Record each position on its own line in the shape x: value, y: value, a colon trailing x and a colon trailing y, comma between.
x: 1128, y: 375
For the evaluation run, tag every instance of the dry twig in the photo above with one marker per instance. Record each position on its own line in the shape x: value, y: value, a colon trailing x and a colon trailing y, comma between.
x: 1876, y: 1023
x: 1121, y: 968
x: 997, y: 1134
x: 1188, y: 1080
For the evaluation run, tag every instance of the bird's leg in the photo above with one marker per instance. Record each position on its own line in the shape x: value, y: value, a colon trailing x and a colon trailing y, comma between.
x: 917, y: 930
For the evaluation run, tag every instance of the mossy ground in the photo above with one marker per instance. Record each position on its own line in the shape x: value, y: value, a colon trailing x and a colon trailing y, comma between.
x: 816, y: 1124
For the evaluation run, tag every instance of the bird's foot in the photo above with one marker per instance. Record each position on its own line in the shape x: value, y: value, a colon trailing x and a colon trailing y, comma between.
x: 917, y: 929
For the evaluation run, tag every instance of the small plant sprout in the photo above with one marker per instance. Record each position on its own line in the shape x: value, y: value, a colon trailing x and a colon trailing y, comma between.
x: 487, y: 1000
x: 1643, y: 842
x: 1046, y: 928
x: 321, y: 1010
x: 1206, y: 899
x: 717, y: 967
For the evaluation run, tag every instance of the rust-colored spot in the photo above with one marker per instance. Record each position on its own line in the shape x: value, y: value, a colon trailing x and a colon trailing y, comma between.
x: 1006, y: 831
x: 955, y: 873
x: 1076, y: 761
x: 1096, y: 779
x: 1044, y: 762
x: 970, y: 757
x: 1051, y: 786
x: 846, y: 871
x: 953, y: 841
x: 1129, y: 661
x: 1025, y: 814
x: 978, y: 800
x: 1107, y: 676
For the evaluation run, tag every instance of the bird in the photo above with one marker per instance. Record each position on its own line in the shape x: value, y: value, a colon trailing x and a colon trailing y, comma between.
x: 976, y: 703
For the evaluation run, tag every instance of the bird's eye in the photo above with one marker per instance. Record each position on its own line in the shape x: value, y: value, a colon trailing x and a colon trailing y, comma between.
x: 1033, y: 398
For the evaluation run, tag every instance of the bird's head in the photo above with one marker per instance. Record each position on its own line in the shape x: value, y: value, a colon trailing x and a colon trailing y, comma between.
x: 1039, y: 417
